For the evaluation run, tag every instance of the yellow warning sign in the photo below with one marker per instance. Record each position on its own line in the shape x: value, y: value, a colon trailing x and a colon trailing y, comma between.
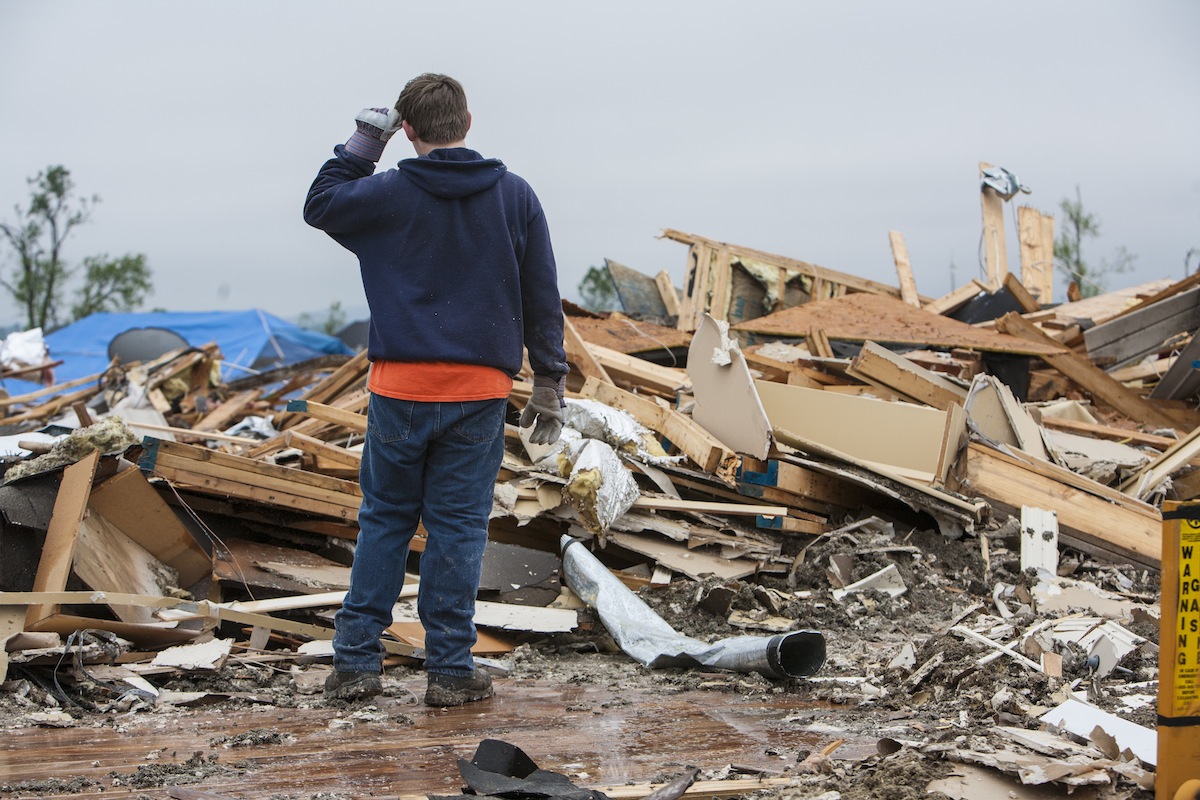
x: 1187, y: 620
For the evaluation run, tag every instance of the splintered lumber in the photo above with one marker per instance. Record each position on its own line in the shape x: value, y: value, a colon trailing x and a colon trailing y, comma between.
x: 1143, y: 482
x: 62, y: 535
x: 1091, y: 516
x: 908, y: 284
x: 1090, y: 377
x: 646, y: 375
x: 581, y: 355
x: 331, y: 414
x: 24, y: 399
x: 224, y: 414
x: 682, y: 431
x: 1021, y: 294
x: 1036, y: 232
x: 879, y: 366
x: 995, y: 249
x: 334, y: 385
x: 666, y: 290
x: 957, y: 297
x: 235, y: 476
x: 709, y: 280
x: 51, y: 407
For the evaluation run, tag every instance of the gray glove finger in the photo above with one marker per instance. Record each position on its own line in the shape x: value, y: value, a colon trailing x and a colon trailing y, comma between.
x: 547, y: 431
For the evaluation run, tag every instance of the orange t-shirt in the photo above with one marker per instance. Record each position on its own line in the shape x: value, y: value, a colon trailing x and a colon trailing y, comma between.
x: 437, y: 381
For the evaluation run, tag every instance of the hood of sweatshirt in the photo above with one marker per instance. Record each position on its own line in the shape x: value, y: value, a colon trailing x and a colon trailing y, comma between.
x: 452, y: 172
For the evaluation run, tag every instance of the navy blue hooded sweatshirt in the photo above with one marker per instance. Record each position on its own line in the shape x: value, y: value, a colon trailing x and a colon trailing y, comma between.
x: 455, y: 257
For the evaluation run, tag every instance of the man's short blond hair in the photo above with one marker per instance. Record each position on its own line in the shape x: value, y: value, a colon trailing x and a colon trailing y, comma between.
x: 436, y: 108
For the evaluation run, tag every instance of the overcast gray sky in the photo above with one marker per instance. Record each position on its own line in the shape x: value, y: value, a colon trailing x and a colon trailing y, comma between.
x: 808, y: 129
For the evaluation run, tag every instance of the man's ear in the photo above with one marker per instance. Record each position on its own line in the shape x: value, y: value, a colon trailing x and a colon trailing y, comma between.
x: 408, y: 130
x: 468, y: 120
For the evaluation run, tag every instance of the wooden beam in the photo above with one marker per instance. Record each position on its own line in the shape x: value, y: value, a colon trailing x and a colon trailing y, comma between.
x: 1091, y: 516
x: 62, y: 535
x: 334, y: 385
x: 1026, y: 300
x: 1088, y: 376
x: 331, y: 414
x: 908, y: 284
x: 994, y: 248
x: 877, y: 365
x: 223, y: 415
x: 957, y: 298
x: 1036, y: 232
x: 580, y: 354
x: 670, y: 297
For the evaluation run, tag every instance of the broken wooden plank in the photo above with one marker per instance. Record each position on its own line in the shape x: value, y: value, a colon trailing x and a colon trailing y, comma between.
x: 994, y: 248
x: 579, y: 354
x: 227, y: 412
x: 956, y: 298
x: 1090, y: 377
x: 1024, y: 299
x: 1142, y: 483
x: 1131, y: 337
x: 236, y: 476
x: 877, y: 365
x: 666, y: 290
x: 908, y: 284
x: 336, y: 384
x: 62, y: 535
x: 1036, y: 235
x: 331, y: 414
x: 1091, y: 516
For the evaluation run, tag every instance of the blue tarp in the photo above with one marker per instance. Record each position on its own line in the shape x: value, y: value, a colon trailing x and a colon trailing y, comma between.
x: 253, y: 339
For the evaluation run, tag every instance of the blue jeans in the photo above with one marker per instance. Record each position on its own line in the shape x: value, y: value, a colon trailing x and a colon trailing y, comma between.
x: 434, y: 463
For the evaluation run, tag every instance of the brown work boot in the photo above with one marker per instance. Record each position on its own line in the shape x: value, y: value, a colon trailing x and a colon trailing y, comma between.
x: 352, y: 685
x: 450, y: 690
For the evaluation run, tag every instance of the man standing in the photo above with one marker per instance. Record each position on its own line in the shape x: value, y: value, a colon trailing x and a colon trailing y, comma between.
x: 460, y: 278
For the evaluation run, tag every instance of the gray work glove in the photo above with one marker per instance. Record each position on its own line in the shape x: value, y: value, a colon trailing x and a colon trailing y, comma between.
x: 546, y: 405
x: 374, y: 127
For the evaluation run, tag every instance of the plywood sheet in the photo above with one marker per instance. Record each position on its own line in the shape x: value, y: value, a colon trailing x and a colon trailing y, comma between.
x: 901, y: 436
x: 627, y: 335
x: 871, y: 317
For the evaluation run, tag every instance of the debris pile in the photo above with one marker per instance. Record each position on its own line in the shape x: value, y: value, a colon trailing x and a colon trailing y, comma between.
x: 942, y: 515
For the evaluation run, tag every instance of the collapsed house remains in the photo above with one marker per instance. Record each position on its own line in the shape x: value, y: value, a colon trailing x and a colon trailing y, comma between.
x: 792, y: 445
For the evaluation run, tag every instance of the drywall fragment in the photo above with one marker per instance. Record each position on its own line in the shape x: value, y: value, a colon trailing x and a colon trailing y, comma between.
x: 886, y: 580
x: 1039, y: 540
x: 721, y: 381
x: 1081, y: 719
x: 210, y: 655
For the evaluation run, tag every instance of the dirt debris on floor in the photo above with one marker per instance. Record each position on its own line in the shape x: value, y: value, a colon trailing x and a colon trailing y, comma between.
x: 966, y: 505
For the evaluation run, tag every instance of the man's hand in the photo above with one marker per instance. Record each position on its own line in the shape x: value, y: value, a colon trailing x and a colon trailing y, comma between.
x: 546, y: 406
x: 374, y: 127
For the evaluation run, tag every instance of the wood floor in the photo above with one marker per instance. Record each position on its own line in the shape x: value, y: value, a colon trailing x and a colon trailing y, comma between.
x: 598, y: 736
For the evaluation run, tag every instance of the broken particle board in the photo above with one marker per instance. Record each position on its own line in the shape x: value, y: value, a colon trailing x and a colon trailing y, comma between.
x: 871, y: 317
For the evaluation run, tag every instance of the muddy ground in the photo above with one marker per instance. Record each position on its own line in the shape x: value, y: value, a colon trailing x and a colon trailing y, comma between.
x: 870, y: 685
